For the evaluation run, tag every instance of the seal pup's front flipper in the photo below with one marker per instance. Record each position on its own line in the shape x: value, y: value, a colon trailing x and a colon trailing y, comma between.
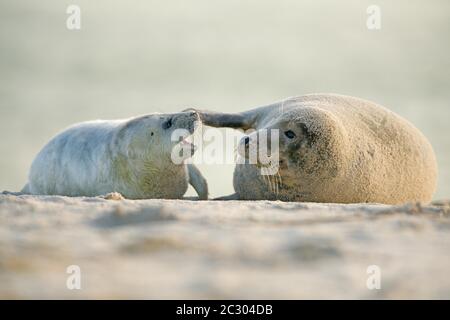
x: 197, y: 180
x: 25, y: 190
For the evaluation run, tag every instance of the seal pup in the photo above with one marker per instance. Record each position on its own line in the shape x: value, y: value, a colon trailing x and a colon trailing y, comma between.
x: 133, y: 157
x: 333, y: 148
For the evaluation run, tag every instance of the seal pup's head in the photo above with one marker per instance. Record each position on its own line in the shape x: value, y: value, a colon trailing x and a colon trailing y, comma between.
x: 310, y: 147
x: 155, y: 137
x: 142, y: 154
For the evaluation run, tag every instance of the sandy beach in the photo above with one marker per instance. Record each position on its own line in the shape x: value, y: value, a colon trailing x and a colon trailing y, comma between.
x: 214, y: 249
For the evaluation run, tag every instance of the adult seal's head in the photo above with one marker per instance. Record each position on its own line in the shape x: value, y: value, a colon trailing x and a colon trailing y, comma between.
x: 311, y: 148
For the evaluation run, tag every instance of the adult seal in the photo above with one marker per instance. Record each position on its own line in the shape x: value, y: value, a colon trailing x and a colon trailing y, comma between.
x: 333, y: 148
x: 134, y: 157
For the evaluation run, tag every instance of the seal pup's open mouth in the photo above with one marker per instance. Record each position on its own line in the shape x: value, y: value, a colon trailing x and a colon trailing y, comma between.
x: 184, y: 146
x: 186, y: 143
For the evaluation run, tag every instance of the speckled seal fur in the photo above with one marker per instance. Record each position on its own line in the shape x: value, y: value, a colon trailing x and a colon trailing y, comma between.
x: 340, y: 149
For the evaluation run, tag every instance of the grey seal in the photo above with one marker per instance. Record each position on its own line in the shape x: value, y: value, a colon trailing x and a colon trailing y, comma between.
x: 130, y: 156
x: 333, y: 148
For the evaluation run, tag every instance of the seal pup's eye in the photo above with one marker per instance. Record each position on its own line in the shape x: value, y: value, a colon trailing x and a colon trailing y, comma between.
x: 167, y: 124
x: 290, y: 134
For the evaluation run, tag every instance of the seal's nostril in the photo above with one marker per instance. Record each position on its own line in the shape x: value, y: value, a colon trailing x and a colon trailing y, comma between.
x: 167, y: 124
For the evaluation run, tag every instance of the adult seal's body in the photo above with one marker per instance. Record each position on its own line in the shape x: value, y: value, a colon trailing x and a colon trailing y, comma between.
x: 131, y: 156
x: 334, y: 148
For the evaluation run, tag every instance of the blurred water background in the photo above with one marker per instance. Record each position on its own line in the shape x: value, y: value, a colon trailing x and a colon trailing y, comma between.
x: 135, y: 57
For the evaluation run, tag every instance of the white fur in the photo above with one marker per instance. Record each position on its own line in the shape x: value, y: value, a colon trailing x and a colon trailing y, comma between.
x: 130, y: 156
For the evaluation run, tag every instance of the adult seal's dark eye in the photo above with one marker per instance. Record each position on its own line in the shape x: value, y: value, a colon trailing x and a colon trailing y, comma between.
x: 167, y: 124
x: 290, y: 134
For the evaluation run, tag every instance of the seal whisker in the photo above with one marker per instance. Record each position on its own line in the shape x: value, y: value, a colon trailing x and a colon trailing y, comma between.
x: 266, y: 178
x: 272, y: 182
x: 279, y: 178
x: 275, y: 177
x: 274, y: 185
x: 277, y: 183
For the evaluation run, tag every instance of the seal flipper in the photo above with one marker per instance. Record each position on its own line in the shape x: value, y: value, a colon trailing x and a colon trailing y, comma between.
x: 234, y: 196
x: 24, y: 191
x: 10, y: 193
x: 227, y: 120
x: 199, y: 183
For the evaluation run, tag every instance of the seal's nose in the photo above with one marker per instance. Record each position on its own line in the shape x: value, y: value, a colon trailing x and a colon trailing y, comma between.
x: 190, y: 120
x: 194, y: 115
x: 244, y: 146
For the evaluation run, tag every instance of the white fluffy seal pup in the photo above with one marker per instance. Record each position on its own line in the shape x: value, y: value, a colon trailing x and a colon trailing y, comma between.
x: 333, y: 148
x: 133, y: 157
